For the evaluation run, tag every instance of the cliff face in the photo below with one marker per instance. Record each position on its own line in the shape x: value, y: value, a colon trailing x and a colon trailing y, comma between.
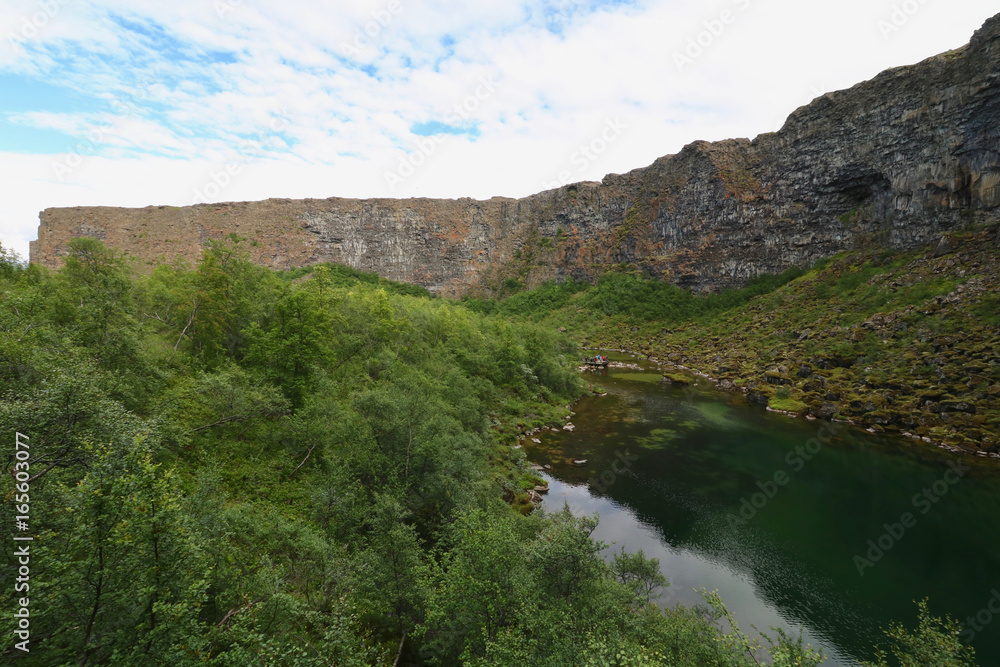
x: 893, y: 161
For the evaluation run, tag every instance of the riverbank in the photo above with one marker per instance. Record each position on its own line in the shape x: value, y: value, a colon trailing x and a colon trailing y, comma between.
x: 714, y: 488
x: 679, y: 374
x: 896, y: 343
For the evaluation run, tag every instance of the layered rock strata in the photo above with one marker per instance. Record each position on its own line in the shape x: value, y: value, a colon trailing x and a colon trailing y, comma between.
x: 894, y: 161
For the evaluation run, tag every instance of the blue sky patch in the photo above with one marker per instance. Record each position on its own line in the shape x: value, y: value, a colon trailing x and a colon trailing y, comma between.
x: 432, y: 127
x: 22, y: 93
x: 16, y: 138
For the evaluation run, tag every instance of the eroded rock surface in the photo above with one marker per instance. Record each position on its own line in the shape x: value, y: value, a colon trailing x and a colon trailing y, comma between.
x: 895, y: 161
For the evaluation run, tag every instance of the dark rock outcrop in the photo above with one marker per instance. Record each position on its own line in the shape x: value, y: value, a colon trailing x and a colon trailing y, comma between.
x: 895, y: 161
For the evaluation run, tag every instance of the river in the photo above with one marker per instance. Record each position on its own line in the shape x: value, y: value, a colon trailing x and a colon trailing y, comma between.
x: 832, y: 533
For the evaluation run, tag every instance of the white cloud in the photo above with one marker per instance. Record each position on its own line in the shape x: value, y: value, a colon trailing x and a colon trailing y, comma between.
x: 266, y: 85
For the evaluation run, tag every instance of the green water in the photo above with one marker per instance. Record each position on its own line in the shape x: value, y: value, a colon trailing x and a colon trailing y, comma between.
x: 675, y: 472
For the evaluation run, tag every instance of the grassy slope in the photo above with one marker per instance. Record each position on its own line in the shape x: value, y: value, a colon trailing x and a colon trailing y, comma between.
x: 905, y: 342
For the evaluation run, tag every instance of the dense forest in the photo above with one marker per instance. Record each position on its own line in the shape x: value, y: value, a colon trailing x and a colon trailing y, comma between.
x: 229, y: 465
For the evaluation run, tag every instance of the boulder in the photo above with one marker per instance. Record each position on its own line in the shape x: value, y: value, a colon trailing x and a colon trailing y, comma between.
x: 776, y: 377
x: 944, y: 247
x: 957, y: 406
x: 825, y: 411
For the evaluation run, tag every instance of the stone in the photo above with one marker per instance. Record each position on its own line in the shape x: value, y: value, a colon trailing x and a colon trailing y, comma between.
x: 775, y: 377
x: 824, y: 411
x: 876, y: 163
x: 957, y: 406
x: 821, y: 363
x: 676, y: 379
x: 944, y: 247
x: 859, y: 406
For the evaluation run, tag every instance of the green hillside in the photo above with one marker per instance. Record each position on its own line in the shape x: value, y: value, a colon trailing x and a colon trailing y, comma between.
x: 898, y: 342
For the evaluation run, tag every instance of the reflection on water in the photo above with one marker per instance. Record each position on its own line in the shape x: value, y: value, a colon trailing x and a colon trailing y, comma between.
x: 730, y: 497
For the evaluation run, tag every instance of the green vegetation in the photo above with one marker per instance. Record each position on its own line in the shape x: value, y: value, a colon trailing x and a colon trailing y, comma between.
x: 629, y: 297
x: 542, y: 300
x: 934, y: 642
x: 787, y: 405
x: 636, y: 298
x: 234, y: 466
x: 897, y: 342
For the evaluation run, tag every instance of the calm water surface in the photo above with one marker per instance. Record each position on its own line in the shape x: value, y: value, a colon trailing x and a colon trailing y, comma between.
x: 675, y: 473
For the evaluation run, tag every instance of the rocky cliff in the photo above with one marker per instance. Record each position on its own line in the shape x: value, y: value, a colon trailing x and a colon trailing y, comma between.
x: 896, y: 161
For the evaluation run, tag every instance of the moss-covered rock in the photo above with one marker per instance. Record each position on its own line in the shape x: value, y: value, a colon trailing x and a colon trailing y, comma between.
x: 787, y: 405
x: 900, y: 340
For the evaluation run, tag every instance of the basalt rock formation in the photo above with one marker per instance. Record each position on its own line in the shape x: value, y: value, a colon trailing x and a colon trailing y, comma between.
x: 894, y: 161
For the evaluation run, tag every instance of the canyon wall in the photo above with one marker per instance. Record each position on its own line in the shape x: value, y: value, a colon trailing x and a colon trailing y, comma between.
x: 896, y: 161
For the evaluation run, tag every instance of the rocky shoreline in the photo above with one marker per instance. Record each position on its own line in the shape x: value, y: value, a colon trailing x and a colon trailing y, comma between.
x: 913, y: 348
x: 690, y: 377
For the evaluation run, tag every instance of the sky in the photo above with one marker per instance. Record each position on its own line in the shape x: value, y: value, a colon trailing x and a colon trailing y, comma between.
x: 145, y: 102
